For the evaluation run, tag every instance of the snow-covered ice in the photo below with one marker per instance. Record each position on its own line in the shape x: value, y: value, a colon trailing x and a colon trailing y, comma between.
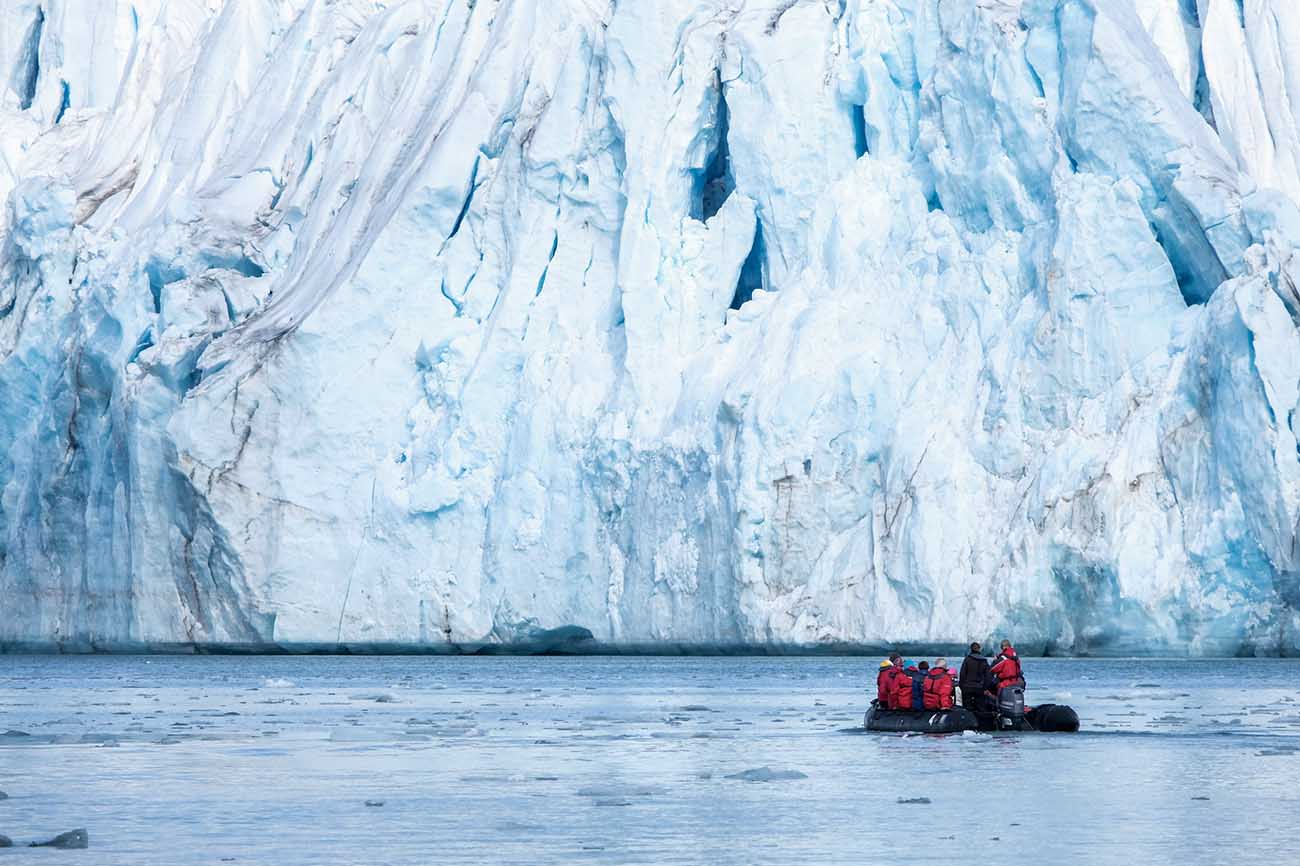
x: 778, y: 322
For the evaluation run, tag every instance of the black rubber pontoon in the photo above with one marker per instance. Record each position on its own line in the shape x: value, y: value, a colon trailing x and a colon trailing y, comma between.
x: 920, y: 721
x: 1047, y: 719
x: 1053, y: 719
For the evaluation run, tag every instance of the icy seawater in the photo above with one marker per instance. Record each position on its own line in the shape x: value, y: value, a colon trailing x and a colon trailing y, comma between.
x: 418, y: 760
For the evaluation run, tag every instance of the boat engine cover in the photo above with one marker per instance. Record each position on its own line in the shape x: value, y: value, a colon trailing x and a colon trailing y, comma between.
x: 1011, y: 702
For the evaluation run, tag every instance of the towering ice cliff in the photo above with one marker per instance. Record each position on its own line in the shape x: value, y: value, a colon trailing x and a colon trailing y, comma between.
x: 712, y: 322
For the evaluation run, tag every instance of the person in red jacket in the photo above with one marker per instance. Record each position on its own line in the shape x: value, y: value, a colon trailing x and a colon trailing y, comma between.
x: 937, y: 691
x: 884, y: 683
x: 905, y: 676
x: 1007, y: 672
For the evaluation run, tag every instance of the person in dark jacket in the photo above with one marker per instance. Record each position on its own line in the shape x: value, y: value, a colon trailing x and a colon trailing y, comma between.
x: 973, y: 677
x: 919, y: 673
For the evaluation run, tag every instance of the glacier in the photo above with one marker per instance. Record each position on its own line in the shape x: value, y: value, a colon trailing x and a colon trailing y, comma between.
x: 768, y: 324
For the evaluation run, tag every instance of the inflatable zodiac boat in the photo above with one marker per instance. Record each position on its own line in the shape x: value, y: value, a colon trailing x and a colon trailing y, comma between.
x: 1010, y: 714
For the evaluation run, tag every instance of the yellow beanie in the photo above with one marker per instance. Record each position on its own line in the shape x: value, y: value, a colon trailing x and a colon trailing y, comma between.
x: 886, y: 664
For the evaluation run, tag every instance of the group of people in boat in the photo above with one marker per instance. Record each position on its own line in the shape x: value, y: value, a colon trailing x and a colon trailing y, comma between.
x: 905, y: 685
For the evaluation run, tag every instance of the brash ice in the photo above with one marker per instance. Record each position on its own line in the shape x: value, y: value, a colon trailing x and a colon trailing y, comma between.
x: 719, y: 323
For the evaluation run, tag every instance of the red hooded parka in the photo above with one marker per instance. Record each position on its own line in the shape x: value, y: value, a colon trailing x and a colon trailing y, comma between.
x: 938, y: 689
x: 1008, y: 670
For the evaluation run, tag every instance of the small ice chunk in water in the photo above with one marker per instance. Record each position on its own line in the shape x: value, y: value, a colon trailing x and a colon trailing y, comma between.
x: 73, y: 839
x: 767, y: 774
x: 277, y: 683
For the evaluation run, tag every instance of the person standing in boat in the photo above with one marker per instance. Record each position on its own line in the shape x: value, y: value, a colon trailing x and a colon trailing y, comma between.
x: 1007, y: 671
x: 973, y: 677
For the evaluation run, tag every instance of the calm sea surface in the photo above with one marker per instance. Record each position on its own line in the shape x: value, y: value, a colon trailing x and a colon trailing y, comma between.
x: 205, y: 760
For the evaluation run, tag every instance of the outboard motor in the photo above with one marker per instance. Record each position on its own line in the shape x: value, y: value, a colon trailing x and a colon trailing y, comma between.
x: 1011, y: 707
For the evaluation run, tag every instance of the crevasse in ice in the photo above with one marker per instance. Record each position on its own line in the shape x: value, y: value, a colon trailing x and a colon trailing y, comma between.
x: 774, y: 322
